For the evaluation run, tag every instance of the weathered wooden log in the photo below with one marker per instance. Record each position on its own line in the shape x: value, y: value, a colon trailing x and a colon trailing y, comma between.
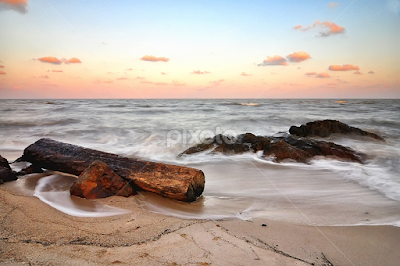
x: 176, y: 182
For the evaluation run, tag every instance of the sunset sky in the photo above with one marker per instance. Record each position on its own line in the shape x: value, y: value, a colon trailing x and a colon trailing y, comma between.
x: 200, y: 49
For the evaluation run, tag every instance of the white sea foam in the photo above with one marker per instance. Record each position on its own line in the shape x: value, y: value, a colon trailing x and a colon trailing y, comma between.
x: 50, y: 192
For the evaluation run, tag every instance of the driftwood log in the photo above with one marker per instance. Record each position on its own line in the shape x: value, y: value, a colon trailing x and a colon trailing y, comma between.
x: 176, y: 182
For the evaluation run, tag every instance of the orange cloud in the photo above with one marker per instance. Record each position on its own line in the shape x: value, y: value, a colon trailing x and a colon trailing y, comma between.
x: 50, y: 59
x: 2, y: 72
x: 274, y: 60
x: 323, y: 75
x: 153, y: 58
x: 55, y: 70
x: 178, y: 83
x: 245, y: 75
x: 357, y: 73
x: 1, y: 66
x: 74, y: 60
x: 298, y: 56
x: 16, y: 5
x: 329, y: 28
x: 346, y: 67
x: 371, y: 72
x: 200, y: 72
x: 310, y: 73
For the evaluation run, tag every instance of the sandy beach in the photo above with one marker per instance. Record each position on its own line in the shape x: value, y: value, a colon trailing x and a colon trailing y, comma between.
x: 33, y: 233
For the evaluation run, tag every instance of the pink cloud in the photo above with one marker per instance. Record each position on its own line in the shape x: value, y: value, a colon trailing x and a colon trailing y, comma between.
x: 44, y: 76
x: 274, y: 60
x: 346, y: 67
x: 146, y: 82
x: 310, y: 73
x: 153, y: 58
x: 1, y: 66
x: 122, y: 78
x: 56, y: 70
x: 357, y: 72
x: 129, y: 69
x: 50, y: 59
x: 298, y: 56
x: 200, y: 72
x: 245, y: 75
x: 163, y: 73
x: 140, y: 77
x: 2, y: 72
x: 371, y: 72
x: 217, y: 82
x: 74, y: 60
x: 16, y: 5
x: 178, y: 83
x: 323, y: 75
x: 329, y: 28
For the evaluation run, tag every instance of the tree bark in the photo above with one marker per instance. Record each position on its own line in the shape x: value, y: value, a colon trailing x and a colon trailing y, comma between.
x: 172, y: 181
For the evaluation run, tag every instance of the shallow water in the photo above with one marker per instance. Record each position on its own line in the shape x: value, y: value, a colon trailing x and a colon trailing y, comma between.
x: 324, y: 192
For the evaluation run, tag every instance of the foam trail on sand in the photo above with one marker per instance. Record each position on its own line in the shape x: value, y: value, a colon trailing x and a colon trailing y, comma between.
x: 60, y: 199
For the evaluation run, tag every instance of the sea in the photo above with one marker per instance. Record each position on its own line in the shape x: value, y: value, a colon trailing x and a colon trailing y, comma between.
x: 248, y: 186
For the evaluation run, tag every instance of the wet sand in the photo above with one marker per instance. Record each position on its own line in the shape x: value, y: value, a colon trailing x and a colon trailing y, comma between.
x: 34, y: 233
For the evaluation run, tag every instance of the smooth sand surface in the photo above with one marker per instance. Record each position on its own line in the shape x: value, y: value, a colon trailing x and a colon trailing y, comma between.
x: 33, y: 233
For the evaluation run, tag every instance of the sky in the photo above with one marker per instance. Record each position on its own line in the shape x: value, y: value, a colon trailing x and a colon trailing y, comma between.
x: 199, y: 49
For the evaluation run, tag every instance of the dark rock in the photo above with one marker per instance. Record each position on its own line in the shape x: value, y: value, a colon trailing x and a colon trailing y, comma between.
x: 283, y: 147
x: 4, y: 162
x: 7, y: 175
x: 99, y: 181
x: 30, y: 170
x: 282, y: 150
x: 325, y: 128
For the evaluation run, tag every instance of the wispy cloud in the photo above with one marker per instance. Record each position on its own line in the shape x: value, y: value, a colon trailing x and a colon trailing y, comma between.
x: 245, y: 74
x: 357, y: 72
x: 160, y: 83
x: 217, y: 82
x: 146, y: 82
x: 56, y: 61
x: 108, y: 81
x: 153, y: 58
x: 178, y: 83
x: 333, y: 5
x: 310, y: 73
x: 163, y: 73
x: 200, y: 72
x: 329, y: 28
x: 346, y: 67
x: 323, y: 75
x: 56, y: 70
x: 371, y: 72
x: 298, y: 56
x: 140, y: 77
x: 2, y: 72
x: 16, y: 5
x: 273, y: 61
x: 1, y: 66
x: 43, y: 76
x: 122, y: 78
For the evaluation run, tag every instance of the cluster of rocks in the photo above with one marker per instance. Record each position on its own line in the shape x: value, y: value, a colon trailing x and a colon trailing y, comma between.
x: 294, y: 146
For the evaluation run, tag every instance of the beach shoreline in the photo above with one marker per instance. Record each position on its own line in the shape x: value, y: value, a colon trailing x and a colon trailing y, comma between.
x: 34, y: 233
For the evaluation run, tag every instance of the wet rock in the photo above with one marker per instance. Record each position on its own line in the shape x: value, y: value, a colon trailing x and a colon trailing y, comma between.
x: 30, y: 170
x: 283, y: 147
x: 99, y: 181
x: 325, y: 128
x: 282, y: 150
x: 4, y: 162
x: 7, y: 174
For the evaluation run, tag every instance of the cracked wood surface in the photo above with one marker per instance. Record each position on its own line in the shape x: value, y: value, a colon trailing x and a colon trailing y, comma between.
x: 33, y: 233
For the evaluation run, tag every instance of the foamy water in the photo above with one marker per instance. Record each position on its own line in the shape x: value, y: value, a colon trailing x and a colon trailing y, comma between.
x: 324, y: 192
